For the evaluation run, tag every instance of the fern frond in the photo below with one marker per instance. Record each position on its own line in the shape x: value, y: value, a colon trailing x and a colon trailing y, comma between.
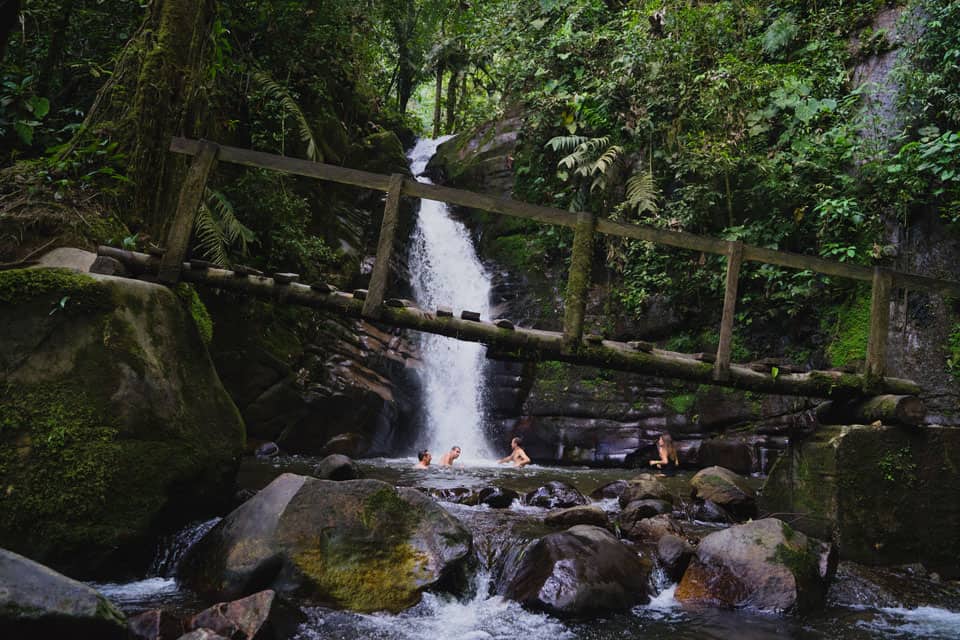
x: 291, y: 109
x: 607, y: 159
x: 642, y: 193
x: 563, y: 144
x: 218, y: 230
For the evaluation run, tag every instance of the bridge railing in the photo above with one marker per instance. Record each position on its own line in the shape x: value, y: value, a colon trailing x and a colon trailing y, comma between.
x: 586, y: 225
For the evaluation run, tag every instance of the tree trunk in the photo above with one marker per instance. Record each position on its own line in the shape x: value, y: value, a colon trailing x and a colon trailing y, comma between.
x: 438, y: 94
x: 452, y: 100
x: 157, y: 91
x: 58, y: 38
x: 9, y: 10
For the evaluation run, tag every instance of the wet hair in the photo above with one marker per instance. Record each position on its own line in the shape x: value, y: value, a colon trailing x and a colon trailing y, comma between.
x: 671, y: 448
x: 457, y: 447
x: 516, y: 439
x: 423, y: 454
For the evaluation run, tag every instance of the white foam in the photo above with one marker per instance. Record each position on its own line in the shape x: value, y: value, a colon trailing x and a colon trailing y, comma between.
x: 922, y: 622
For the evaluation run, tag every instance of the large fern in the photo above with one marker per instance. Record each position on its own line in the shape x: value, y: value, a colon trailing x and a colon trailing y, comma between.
x: 218, y: 231
x: 587, y: 158
x: 642, y: 193
x: 291, y: 109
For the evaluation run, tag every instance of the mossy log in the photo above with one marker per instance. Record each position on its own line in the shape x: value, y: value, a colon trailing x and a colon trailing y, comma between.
x: 906, y: 410
x: 534, y: 345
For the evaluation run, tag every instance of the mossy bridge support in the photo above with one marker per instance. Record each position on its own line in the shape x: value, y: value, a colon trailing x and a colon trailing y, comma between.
x: 505, y: 340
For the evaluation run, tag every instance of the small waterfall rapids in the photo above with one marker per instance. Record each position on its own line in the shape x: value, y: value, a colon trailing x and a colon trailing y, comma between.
x: 445, y: 271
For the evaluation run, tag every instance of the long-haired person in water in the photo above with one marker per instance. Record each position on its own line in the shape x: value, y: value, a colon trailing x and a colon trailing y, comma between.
x: 668, y: 461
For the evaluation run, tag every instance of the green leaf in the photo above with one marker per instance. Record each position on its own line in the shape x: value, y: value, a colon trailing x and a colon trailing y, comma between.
x: 38, y: 106
x: 24, y: 131
x: 774, y: 372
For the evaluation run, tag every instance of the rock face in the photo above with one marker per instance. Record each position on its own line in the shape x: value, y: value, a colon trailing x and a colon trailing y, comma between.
x: 581, y: 571
x: 357, y: 544
x: 762, y: 565
x: 884, y: 495
x: 37, y: 602
x: 556, y: 495
x: 724, y: 488
x: 115, y: 423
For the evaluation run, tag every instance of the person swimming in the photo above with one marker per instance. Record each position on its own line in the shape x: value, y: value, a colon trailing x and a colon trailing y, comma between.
x: 423, y: 459
x: 668, y: 461
x: 518, y: 456
x: 446, y: 460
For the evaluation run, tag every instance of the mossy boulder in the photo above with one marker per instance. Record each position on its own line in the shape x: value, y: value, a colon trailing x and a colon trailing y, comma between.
x: 37, y: 602
x: 361, y: 545
x: 581, y: 571
x: 113, y: 423
x: 644, y: 487
x: 724, y: 488
x: 764, y: 565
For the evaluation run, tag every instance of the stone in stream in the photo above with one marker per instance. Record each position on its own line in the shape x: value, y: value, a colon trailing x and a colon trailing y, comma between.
x: 361, y: 545
x: 582, y: 514
x: 155, y: 624
x: 267, y: 450
x: 202, y: 634
x: 497, y: 497
x: 709, y: 511
x: 725, y: 488
x: 554, y: 495
x: 457, y: 495
x: 261, y: 616
x: 643, y: 487
x: 763, y: 565
x: 635, y: 526
x: 674, y: 554
x: 338, y: 467
x: 648, y: 508
x: 609, y: 490
x: 38, y: 602
x: 581, y: 571
x: 348, y: 444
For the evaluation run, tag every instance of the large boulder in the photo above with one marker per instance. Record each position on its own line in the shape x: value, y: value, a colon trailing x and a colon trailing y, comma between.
x: 763, y: 565
x: 644, y: 487
x: 497, y: 497
x: 582, y: 514
x: 581, y: 571
x: 556, y: 495
x: 674, y: 554
x: 37, y: 602
x: 635, y: 525
x: 338, y: 467
x: 113, y: 422
x: 726, y: 489
x: 361, y: 545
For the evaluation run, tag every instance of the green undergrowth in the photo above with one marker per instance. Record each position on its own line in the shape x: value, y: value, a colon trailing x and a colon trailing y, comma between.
x: 850, y: 332
x: 198, y: 311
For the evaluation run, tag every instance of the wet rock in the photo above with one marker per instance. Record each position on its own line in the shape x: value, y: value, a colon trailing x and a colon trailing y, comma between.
x: 155, y: 625
x: 735, y: 454
x: 584, y: 570
x: 361, y: 545
x: 261, y: 616
x: 609, y: 490
x: 347, y: 444
x: 242, y: 495
x: 647, y: 529
x: 338, y: 467
x: 674, y: 554
x: 909, y: 586
x: 648, y: 508
x: 497, y: 497
x: 457, y: 495
x: 38, y: 602
x: 709, y: 511
x: 643, y: 487
x: 583, y: 514
x: 763, y: 565
x: 202, y: 634
x: 725, y: 488
x: 556, y: 495
x: 267, y: 450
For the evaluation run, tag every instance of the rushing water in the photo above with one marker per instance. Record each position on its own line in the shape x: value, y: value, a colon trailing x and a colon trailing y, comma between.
x: 446, y: 272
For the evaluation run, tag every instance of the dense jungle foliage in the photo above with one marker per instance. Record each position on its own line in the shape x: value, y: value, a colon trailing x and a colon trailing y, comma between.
x: 739, y: 119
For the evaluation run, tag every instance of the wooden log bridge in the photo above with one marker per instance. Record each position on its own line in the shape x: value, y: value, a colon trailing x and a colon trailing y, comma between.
x: 505, y: 342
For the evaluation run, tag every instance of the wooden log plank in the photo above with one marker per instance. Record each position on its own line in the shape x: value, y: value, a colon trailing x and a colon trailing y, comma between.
x: 734, y: 260
x: 181, y: 228
x: 551, y: 215
x: 388, y: 233
x: 876, y: 364
x: 909, y: 411
x: 536, y: 344
x: 578, y: 281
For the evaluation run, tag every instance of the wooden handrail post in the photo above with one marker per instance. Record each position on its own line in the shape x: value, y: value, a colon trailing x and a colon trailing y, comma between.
x: 721, y: 369
x: 388, y: 231
x: 181, y: 228
x: 876, y: 366
x: 578, y: 281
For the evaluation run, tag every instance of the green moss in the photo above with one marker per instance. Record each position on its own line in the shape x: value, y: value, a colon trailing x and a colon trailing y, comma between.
x: 198, y: 310
x: 68, y: 289
x: 851, y: 332
x: 518, y: 250
x: 682, y: 403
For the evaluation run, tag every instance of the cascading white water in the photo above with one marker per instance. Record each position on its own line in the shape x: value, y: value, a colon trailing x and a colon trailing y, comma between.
x: 445, y: 271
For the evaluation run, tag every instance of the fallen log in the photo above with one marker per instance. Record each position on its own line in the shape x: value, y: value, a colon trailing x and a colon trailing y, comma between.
x: 904, y: 410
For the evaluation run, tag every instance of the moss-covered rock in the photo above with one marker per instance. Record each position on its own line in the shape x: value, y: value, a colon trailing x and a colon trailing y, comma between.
x: 725, y: 488
x: 885, y: 495
x: 113, y: 422
x: 762, y: 565
x: 357, y: 544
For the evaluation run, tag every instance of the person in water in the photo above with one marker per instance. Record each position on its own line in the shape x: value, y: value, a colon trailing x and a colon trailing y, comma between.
x: 423, y: 460
x: 668, y: 461
x: 518, y: 456
x: 446, y: 460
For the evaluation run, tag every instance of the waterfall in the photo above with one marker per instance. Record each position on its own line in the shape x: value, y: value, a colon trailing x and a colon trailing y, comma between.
x: 445, y: 271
